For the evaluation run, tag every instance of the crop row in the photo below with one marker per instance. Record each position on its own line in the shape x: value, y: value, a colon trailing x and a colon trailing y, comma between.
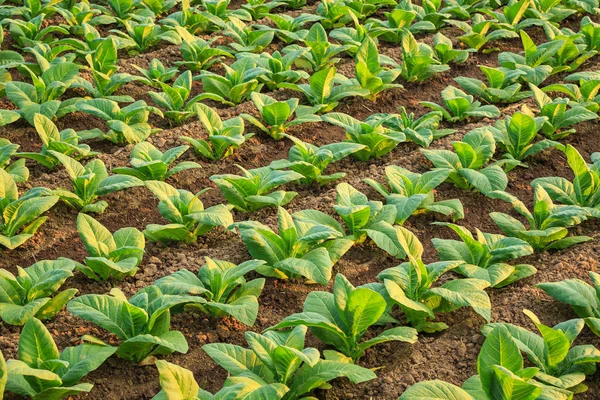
x: 72, y: 64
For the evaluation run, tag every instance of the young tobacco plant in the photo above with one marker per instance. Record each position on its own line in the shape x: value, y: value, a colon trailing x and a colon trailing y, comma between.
x: 276, y: 115
x: 377, y: 138
x: 515, y: 136
x: 278, y: 68
x: 42, y: 97
x: 17, y: 169
x: 289, y: 29
x: 467, y: 164
x: 143, y: 34
x: 126, y: 125
x: 149, y: 163
x: 253, y: 190
x: 90, y: 182
x: 175, y: 99
x: 319, y: 52
x: 501, y: 86
x: 280, y: 358
x: 410, y: 286
x: 445, y: 51
x: 560, y: 114
x: 412, y: 193
x: 65, y: 142
x: 370, y: 72
x: 560, y: 364
x: 197, y: 53
x: 341, y: 318
x: 299, y: 249
x: 156, y: 73
x: 223, y: 287
x: 111, y: 256
x: 581, y: 296
x: 418, y: 60
x: 102, y: 63
x: 34, y: 291
x: 422, y: 130
x: 27, y: 33
x: 239, y: 82
x: 362, y: 216
x: 142, y: 323
x: 399, y: 21
x: 460, y: 106
x: 481, y: 32
x: 259, y: 9
x: 224, y: 137
x: 42, y: 372
x: 326, y: 89
x: 187, y: 217
x: 20, y: 217
x: 500, y: 369
x: 311, y: 161
x: 584, y: 190
x: 548, y: 222
x: 246, y: 38
x: 485, y: 257
x: 180, y: 383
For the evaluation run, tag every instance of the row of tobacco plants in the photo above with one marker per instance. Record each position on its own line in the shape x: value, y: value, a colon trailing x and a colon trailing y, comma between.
x: 64, y: 58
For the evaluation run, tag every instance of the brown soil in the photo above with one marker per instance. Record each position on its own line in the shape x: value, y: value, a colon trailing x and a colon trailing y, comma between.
x: 450, y: 355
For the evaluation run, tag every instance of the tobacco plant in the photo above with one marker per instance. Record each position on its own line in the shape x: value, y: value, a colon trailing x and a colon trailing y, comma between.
x: 111, y: 256
x: 281, y: 358
x: 21, y: 217
x: 584, y: 190
x: 515, y: 136
x: 149, y: 163
x: 326, y: 89
x: 42, y: 97
x: 65, y: 142
x: 410, y: 286
x: 42, y: 372
x: 341, y: 318
x: 501, y: 86
x: 253, y: 190
x: 373, y: 133
x: 500, y: 369
x: 311, y: 161
x: 485, y: 257
x: 175, y: 98
x: 418, y: 60
x: 412, y: 193
x: 156, y: 73
x: 560, y: 114
x: 17, y: 169
x: 299, y: 249
x: 239, y: 82
x: 33, y: 293
x: 223, y: 287
x: 460, y: 106
x: 90, y: 182
x: 197, y: 53
x: 142, y: 323
x: 362, y: 217
x: 126, y: 125
x: 187, y: 217
x: 370, y: 71
x: 581, y: 296
x: 547, y: 222
x: 560, y: 364
x: 224, y: 137
x: 467, y: 164
x: 276, y: 115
